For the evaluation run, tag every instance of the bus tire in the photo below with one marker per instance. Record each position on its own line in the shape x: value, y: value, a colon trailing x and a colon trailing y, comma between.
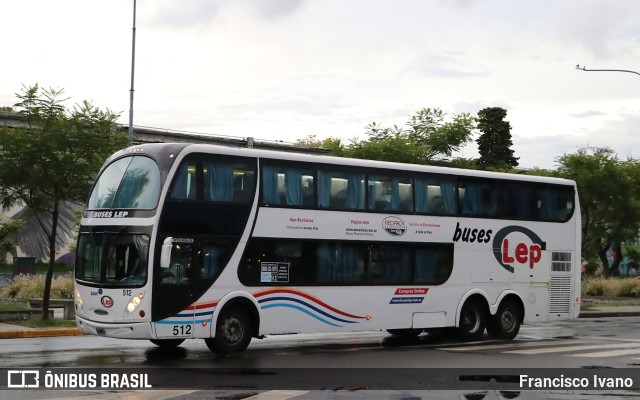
x: 233, y: 331
x: 167, y: 343
x: 473, y: 319
x: 409, y: 332
x: 505, y: 324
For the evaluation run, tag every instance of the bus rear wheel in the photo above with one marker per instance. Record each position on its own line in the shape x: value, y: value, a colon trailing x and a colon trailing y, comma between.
x: 506, y: 323
x: 167, y: 343
x: 233, y: 331
x: 473, y: 319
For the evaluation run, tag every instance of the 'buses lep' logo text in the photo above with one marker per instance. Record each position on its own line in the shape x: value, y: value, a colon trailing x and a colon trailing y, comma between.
x: 516, y: 245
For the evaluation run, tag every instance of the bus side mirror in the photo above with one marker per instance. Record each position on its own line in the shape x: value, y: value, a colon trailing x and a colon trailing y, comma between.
x: 165, y: 254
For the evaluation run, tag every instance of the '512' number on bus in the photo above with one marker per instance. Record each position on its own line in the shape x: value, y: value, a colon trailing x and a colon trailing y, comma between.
x: 181, y: 330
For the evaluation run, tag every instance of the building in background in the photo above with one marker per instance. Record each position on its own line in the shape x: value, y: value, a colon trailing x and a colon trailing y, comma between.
x: 31, y: 240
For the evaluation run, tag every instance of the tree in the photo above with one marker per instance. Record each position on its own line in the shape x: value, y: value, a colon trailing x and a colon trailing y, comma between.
x: 609, y: 192
x: 494, y: 144
x: 7, y: 245
x: 54, y: 158
x: 333, y: 145
x: 426, y: 135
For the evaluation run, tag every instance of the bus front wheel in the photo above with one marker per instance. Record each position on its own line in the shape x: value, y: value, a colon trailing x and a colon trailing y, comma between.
x: 506, y: 323
x: 473, y: 319
x: 233, y: 331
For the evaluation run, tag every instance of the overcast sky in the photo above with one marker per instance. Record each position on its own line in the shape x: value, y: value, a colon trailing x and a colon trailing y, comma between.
x: 285, y: 69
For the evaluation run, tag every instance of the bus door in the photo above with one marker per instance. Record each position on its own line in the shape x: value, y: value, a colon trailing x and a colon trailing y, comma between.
x: 175, y: 290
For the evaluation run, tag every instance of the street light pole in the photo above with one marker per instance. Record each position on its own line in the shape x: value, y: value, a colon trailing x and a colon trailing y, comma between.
x: 133, y: 63
x: 583, y: 68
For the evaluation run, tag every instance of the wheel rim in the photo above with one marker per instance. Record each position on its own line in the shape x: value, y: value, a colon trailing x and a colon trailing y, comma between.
x: 471, y: 321
x: 232, y: 330
x: 507, y: 320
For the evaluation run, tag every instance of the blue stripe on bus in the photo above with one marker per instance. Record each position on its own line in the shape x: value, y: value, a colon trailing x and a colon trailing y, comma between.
x: 203, y: 313
x: 300, y: 309
x: 190, y: 315
x: 308, y: 305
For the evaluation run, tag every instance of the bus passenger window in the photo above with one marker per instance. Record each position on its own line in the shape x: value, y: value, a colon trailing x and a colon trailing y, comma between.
x: 516, y: 201
x: 390, y: 264
x: 308, y: 190
x: 435, y: 196
x: 555, y: 203
x: 218, y: 181
x: 436, y: 205
x: 339, y: 263
x: 340, y: 190
x: 181, y: 266
x: 390, y: 193
x: 228, y: 181
x: 287, y: 186
x: 244, y: 182
x: 211, y: 264
x: 478, y: 199
x: 433, y: 266
x: 184, y: 183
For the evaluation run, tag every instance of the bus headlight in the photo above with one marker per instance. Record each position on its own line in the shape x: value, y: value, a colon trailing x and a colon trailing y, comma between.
x: 134, y: 303
x: 78, y: 298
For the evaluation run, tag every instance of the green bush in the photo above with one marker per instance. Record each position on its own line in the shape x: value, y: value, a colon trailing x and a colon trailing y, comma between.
x: 629, y: 287
x: 32, y: 286
x: 594, y: 287
x: 613, y: 287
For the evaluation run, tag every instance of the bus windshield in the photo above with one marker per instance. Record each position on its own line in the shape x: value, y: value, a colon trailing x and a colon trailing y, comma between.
x: 113, y: 258
x: 130, y: 182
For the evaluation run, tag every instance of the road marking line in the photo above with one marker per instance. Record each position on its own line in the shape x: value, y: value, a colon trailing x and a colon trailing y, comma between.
x: 612, y: 353
x: 512, y: 345
x: 277, y: 395
x: 135, y: 395
x: 570, y: 348
x: 590, y: 338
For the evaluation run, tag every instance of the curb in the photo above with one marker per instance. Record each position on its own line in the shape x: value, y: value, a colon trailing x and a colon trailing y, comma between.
x: 605, y: 314
x: 35, y: 333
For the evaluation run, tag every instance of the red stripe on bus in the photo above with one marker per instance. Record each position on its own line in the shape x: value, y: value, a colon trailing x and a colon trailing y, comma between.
x: 308, y: 296
x: 202, y: 305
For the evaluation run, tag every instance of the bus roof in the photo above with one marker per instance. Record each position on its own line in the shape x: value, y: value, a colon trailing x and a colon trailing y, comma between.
x: 333, y: 160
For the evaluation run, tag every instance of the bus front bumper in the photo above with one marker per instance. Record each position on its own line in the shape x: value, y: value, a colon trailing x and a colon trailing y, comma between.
x: 133, y: 330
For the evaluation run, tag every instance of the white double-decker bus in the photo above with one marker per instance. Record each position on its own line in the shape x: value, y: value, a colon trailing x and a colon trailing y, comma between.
x: 190, y: 241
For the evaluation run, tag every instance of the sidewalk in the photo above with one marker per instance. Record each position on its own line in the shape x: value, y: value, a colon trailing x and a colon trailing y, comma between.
x: 613, y: 311
x: 11, y: 331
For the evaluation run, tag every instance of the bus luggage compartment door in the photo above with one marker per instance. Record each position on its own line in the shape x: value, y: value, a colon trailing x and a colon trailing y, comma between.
x: 429, y: 320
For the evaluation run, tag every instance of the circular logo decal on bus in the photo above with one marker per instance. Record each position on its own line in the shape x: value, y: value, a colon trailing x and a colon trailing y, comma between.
x: 106, y: 301
x: 394, y: 226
